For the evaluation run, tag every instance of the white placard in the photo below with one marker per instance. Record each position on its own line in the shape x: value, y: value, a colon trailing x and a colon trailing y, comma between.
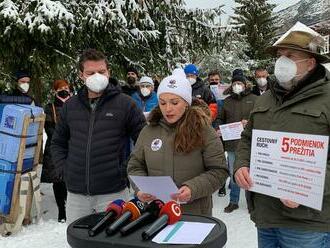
x: 231, y: 131
x: 290, y: 166
x: 184, y: 233
x: 218, y: 90
x: 161, y: 187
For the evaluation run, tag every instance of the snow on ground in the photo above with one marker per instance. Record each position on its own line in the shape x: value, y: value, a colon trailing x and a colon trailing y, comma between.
x: 50, y: 233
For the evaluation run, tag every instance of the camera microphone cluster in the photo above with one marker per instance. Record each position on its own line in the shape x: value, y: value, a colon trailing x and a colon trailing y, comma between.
x: 128, y: 217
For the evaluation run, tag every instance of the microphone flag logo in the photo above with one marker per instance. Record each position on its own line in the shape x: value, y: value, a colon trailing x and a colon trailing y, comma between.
x: 176, y: 209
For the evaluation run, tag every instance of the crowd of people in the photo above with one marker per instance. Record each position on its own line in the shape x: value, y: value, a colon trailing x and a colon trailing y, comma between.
x: 107, y: 131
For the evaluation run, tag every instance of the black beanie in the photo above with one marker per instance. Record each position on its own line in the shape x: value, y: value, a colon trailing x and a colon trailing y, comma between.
x: 238, y: 75
x: 133, y: 69
x: 238, y: 71
x: 21, y: 74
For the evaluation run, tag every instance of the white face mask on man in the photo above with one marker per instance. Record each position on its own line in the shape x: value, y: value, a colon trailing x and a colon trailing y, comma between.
x: 97, y: 82
x: 24, y: 87
x: 261, y: 82
x: 192, y: 80
x: 286, y: 72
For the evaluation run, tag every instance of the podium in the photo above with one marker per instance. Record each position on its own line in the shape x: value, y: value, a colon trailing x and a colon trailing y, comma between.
x: 78, y: 238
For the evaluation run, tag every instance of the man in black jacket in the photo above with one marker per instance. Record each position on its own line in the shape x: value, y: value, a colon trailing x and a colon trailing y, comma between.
x: 200, y: 90
x: 20, y: 92
x: 130, y: 87
x: 88, y: 144
x: 261, y: 78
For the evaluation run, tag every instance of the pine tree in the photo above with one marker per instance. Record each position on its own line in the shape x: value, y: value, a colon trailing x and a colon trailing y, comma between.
x: 36, y: 36
x: 254, y: 20
x: 231, y: 56
x: 47, y: 36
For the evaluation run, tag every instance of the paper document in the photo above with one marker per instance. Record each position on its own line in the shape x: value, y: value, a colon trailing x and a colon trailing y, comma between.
x: 160, y: 187
x: 218, y: 90
x: 231, y: 131
x: 184, y: 233
x: 290, y: 166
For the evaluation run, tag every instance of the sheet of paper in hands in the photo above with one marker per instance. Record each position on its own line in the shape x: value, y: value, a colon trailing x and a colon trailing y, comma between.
x: 218, y: 90
x: 290, y: 166
x: 161, y: 187
x: 231, y: 131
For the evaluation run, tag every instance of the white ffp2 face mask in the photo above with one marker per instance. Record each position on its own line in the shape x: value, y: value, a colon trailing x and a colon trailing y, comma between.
x: 286, y: 72
x: 192, y: 80
x: 24, y: 87
x: 262, y: 82
x: 145, y: 91
x: 97, y: 82
x: 238, y: 89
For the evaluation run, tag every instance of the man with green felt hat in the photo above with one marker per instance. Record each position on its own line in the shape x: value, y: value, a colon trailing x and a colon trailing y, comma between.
x: 297, y: 103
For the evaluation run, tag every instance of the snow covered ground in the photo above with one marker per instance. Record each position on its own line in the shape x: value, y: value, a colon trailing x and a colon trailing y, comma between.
x: 50, y: 233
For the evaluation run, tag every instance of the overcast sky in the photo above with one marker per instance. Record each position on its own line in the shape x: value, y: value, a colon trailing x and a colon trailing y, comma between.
x: 229, y: 4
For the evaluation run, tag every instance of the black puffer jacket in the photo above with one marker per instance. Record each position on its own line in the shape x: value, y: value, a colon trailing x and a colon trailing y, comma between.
x: 201, y: 91
x: 91, y: 143
x: 16, y: 97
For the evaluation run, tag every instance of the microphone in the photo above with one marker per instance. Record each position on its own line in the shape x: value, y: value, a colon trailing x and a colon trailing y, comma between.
x: 114, y: 209
x: 169, y: 214
x: 151, y: 213
x: 132, y: 210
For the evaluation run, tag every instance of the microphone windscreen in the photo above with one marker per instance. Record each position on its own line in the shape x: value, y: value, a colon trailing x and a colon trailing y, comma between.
x: 136, y: 207
x: 117, y: 206
x: 173, y: 211
x: 154, y: 207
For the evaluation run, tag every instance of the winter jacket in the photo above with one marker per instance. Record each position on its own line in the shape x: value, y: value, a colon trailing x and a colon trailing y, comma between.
x: 201, y: 91
x: 236, y: 108
x: 90, y: 143
x: 52, y: 112
x: 203, y: 170
x: 17, y: 97
x: 305, y: 110
x: 256, y: 91
x: 146, y: 104
x: 129, y: 89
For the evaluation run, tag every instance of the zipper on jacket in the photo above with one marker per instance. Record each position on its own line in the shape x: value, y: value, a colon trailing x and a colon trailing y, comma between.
x: 89, y: 141
x: 144, y: 103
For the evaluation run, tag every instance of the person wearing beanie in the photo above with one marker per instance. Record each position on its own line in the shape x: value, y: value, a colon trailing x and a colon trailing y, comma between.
x: 200, y: 90
x: 23, y: 80
x: 236, y: 108
x: 146, y: 97
x: 20, y: 93
x: 62, y: 94
x: 130, y: 87
x: 297, y: 102
x: 180, y: 142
